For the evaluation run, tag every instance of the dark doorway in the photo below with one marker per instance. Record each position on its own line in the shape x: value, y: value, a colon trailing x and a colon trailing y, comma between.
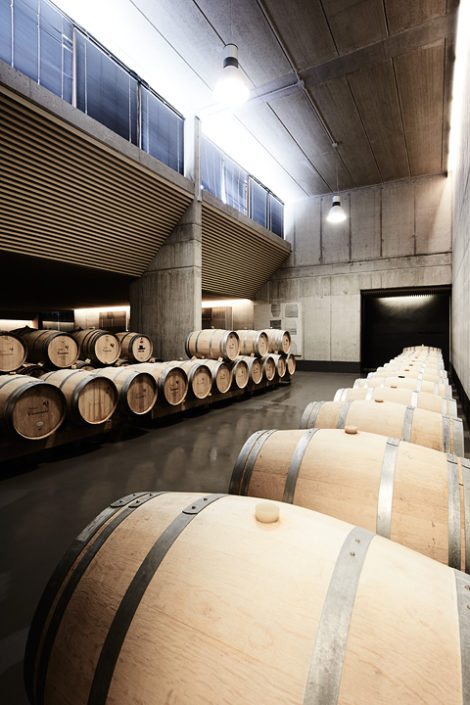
x: 394, y: 319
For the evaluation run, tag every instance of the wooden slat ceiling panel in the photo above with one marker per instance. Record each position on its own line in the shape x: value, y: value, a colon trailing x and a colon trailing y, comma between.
x: 236, y: 261
x: 304, y: 29
x: 338, y: 108
x: 67, y: 199
x: 355, y: 23
x: 379, y: 109
x: 402, y: 14
x: 420, y: 76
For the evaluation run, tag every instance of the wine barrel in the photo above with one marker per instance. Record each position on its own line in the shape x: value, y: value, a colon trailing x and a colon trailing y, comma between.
x: 406, y: 372
x: 240, y: 374
x: 100, y: 346
x: 211, y: 599
x: 54, y: 348
x: 279, y: 340
x: 199, y: 377
x: 12, y: 352
x: 172, y: 380
x: 135, y: 347
x: 416, y: 366
x: 255, y: 368
x: 413, y: 383
x: 400, y: 490
x: 32, y: 369
x: 419, y: 426
x: 137, y: 389
x: 281, y: 365
x: 269, y: 367
x: 422, y: 400
x: 212, y: 343
x: 83, y: 365
x: 291, y: 364
x: 253, y: 342
x: 419, y: 362
x: 91, y: 400
x: 30, y: 407
x: 221, y: 375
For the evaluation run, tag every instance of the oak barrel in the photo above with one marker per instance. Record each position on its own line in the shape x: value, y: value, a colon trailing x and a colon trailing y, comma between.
x: 135, y: 347
x: 399, y: 490
x: 279, y: 340
x: 137, y: 389
x: 253, y: 342
x: 291, y: 364
x: 281, y: 365
x: 209, y: 599
x: 426, y: 428
x: 83, y: 365
x: 240, y: 374
x: 12, y: 352
x: 92, y: 400
x: 420, y: 385
x: 422, y: 400
x: 199, y: 376
x: 100, y: 346
x: 30, y: 407
x: 407, y: 372
x: 255, y: 368
x: 172, y: 380
x: 269, y: 367
x: 221, y: 375
x: 32, y: 369
x: 54, y: 348
x: 212, y: 343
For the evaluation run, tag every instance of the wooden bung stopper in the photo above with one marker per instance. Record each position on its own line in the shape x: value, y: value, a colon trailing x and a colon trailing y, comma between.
x: 351, y: 430
x: 267, y: 512
x: 379, y: 400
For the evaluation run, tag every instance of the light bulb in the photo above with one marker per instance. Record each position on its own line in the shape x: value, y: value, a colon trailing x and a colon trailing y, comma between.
x: 231, y: 89
x: 336, y: 213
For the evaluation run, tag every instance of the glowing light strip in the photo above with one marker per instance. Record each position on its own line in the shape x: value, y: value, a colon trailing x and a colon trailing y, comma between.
x: 224, y: 302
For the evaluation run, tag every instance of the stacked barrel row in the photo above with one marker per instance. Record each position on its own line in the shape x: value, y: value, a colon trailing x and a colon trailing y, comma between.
x: 37, y: 351
x: 284, y: 604
x: 254, y: 355
x: 34, y: 405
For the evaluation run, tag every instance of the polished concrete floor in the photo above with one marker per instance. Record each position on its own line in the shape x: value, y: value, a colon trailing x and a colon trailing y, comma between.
x: 45, y: 502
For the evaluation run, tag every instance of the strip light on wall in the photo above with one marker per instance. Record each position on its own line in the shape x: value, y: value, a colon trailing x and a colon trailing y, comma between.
x: 224, y: 302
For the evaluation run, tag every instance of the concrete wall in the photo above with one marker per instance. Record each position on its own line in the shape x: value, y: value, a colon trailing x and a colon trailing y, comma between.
x: 396, y: 235
x: 461, y: 213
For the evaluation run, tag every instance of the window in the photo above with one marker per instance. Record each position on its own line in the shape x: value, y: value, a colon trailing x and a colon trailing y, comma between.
x: 162, y: 131
x: 258, y: 203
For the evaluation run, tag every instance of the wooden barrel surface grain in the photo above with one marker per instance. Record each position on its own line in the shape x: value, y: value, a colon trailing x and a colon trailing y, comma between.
x: 213, y: 343
x: 414, y: 495
x: 269, y: 367
x: 172, y: 380
x: 240, y: 374
x: 30, y: 407
x: 54, y: 348
x: 427, y: 428
x: 221, y: 375
x: 12, y: 352
x: 253, y: 342
x: 209, y: 599
x: 402, y: 382
x: 91, y: 400
x: 409, y: 397
x: 135, y: 347
x: 199, y: 377
x: 137, y: 389
x: 100, y: 346
x: 279, y: 340
x: 255, y: 368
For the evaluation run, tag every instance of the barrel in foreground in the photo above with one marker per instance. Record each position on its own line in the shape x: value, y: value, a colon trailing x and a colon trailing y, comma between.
x: 184, y: 590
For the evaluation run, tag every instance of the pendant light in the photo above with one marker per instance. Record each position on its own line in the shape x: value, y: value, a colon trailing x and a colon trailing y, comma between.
x: 231, y: 88
x: 336, y: 213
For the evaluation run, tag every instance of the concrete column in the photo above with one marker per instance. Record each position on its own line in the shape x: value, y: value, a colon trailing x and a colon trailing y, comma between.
x: 166, y: 299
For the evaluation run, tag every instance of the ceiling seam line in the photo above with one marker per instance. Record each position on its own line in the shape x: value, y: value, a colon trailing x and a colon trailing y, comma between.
x: 400, y: 105
x: 364, y: 130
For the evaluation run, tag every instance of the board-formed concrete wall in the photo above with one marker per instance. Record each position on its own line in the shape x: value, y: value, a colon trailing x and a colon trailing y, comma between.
x: 396, y: 235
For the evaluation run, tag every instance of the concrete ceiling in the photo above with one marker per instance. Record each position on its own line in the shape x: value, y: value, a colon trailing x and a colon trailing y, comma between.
x: 372, y: 75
